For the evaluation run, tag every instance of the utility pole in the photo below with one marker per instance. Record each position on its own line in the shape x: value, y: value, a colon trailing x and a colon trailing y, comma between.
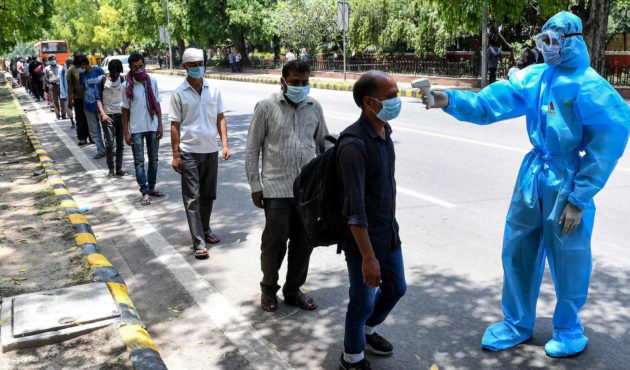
x: 343, y: 23
x: 484, y: 47
x: 168, y: 24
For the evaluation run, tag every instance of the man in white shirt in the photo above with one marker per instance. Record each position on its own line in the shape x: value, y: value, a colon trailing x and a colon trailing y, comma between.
x: 196, y: 116
x: 142, y: 123
x: 290, y: 56
x: 51, y: 78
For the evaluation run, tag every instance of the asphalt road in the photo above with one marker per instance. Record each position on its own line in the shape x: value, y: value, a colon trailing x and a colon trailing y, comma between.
x: 455, y: 181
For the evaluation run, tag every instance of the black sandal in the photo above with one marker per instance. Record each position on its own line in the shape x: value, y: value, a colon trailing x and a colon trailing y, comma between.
x: 302, y: 301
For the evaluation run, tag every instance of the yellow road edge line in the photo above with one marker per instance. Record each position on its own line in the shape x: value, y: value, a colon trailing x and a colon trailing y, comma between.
x: 98, y: 260
x: 82, y: 238
x: 136, y: 337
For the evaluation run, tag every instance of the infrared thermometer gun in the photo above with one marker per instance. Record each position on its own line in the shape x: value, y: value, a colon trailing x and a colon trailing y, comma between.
x: 425, y: 85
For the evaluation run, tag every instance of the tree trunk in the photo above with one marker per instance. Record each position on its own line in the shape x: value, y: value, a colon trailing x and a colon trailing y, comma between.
x: 594, y: 17
x: 181, y: 46
x: 239, y: 42
x: 124, y: 47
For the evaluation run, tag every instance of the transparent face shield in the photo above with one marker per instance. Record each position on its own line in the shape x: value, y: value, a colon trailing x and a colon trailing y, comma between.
x: 551, y: 38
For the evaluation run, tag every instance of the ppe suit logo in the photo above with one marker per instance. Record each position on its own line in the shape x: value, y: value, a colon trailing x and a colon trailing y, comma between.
x: 552, y: 110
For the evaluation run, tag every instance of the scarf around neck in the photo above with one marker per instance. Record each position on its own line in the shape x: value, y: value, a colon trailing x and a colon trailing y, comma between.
x: 152, y: 103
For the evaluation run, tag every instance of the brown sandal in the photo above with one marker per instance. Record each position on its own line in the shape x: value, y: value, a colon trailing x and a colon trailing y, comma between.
x: 302, y: 301
x: 268, y: 304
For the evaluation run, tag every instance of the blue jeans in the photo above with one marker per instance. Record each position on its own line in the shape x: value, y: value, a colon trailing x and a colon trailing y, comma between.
x: 138, y: 159
x: 94, y: 126
x: 370, y: 306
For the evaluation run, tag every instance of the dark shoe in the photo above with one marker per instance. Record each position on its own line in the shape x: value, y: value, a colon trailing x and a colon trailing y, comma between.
x: 111, y: 174
x: 82, y: 142
x: 300, y: 300
x: 212, y: 238
x: 122, y: 173
x: 269, y: 304
x: 361, y: 365
x: 99, y: 156
x: 156, y: 193
x: 378, y: 345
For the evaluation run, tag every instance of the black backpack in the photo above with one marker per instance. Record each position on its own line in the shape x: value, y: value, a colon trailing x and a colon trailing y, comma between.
x: 317, y: 192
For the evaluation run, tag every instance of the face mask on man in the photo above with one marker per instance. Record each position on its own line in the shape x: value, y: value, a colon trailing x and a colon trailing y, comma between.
x: 297, y: 94
x: 552, y: 54
x: 391, y: 109
x: 81, y: 70
x: 53, y: 62
x: 140, y: 74
x: 196, y: 72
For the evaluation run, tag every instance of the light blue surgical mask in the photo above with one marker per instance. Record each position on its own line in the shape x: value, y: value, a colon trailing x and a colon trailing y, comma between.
x: 391, y: 109
x: 297, y: 94
x: 53, y: 62
x: 81, y: 70
x: 196, y: 72
x: 551, y: 54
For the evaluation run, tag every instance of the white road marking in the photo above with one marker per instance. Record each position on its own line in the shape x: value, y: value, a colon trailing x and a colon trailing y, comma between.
x: 227, y: 318
x: 456, y: 138
x: 427, y: 198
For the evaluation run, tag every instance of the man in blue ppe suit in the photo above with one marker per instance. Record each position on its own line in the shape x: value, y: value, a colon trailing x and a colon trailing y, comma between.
x: 569, y: 108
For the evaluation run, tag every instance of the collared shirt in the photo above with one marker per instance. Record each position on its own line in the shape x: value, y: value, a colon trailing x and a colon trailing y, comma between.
x: 139, y: 117
x: 288, y: 137
x: 197, y: 115
x: 51, y: 74
x: 366, y: 168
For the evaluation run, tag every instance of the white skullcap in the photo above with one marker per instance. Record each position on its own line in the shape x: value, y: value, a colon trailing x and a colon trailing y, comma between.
x: 192, y: 55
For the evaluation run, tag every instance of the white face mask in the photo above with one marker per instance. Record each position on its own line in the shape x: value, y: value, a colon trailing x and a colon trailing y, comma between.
x: 113, y: 84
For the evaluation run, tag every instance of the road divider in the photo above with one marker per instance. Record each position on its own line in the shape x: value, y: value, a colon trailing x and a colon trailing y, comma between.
x: 142, y: 350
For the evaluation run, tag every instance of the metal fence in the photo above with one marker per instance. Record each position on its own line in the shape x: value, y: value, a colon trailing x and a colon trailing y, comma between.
x: 418, y: 67
x: 616, y: 75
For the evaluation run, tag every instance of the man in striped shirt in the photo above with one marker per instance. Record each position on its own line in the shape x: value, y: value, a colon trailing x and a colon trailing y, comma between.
x: 289, y: 128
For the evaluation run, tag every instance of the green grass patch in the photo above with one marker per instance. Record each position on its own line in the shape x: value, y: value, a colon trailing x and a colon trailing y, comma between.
x: 46, y: 202
x: 11, y: 125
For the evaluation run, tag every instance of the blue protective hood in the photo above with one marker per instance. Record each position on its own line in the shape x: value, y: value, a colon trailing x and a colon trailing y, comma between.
x: 574, y: 51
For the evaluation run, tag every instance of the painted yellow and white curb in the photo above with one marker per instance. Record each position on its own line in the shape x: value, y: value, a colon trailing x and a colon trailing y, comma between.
x: 339, y: 86
x: 143, y: 352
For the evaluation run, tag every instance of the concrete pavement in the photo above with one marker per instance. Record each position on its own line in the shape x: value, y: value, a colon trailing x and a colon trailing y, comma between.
x: 455, y: 181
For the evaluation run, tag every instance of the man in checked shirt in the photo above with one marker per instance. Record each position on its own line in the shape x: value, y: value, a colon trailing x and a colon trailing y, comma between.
x: 289, y: 128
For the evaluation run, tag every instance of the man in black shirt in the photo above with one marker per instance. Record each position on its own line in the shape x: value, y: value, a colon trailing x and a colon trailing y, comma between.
x: 36, y: 71
x: 371, y: 244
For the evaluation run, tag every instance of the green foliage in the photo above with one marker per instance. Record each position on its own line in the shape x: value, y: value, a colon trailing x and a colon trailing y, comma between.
x: 619, y: 18
x: 467, y: 14
x: 380, y: 26
x: 305, y: 24
x: 23, y: 20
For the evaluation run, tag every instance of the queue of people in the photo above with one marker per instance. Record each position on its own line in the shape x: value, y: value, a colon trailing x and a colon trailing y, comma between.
x: 551, y: 214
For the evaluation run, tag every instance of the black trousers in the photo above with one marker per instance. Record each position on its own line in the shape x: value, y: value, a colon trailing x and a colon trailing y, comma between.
x: 282, y: 223
x: 493, y: 75
x: 37, y: 88
x: 83, y: 133
x: 199, y: 190
x: 114, y: 132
